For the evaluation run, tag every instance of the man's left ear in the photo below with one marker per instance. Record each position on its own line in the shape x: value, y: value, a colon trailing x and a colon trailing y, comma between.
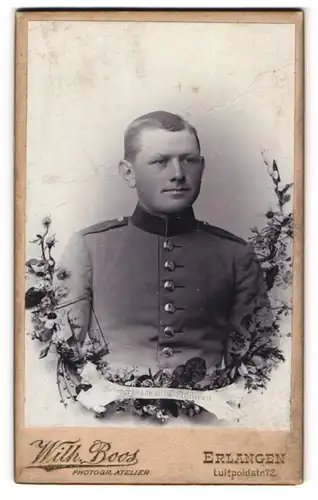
x: 126, y: 171
x: 203, y: 163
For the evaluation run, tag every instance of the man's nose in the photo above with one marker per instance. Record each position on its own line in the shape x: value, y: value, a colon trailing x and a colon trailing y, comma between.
x: 178, y: 172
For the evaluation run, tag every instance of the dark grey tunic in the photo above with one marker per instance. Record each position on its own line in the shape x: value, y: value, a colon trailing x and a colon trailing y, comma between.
x: 162, y: 290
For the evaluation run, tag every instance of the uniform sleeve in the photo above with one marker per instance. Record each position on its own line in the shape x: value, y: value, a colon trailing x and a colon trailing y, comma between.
x: 74, y: 288
x: 250, y: 294
x: 251, y: 313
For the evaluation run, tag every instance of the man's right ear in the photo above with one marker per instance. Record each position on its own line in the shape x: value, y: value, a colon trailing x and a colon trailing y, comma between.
x: 127, y: 173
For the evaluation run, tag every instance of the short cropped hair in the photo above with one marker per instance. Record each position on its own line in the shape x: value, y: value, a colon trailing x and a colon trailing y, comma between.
x: 156, y: 119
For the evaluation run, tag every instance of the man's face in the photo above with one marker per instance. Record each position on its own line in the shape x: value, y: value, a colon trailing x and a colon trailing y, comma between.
x: 167, y: 170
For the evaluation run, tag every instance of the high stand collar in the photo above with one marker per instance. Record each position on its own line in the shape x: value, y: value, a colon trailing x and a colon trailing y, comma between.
x: 171, y: 225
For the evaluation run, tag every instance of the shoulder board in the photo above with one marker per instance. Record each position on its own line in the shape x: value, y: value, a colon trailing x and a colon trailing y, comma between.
x: 105, y: 226
x: 221, y: 233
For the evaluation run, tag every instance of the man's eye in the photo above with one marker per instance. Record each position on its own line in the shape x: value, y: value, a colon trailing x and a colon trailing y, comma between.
x: 159, y: 161
x: 192, y: 160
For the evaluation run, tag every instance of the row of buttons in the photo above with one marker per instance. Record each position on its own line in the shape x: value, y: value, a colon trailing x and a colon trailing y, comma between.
x: 169, y: 286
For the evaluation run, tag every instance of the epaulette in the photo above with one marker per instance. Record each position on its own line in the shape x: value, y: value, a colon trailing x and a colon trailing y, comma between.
x: 217, y: 231
x: 105, y: 226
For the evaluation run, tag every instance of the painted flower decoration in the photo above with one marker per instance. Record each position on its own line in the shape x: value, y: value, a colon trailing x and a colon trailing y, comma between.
x: 62, y: 274
x: 33, y: 297
x: 50, y: 241
x: 47, y: 221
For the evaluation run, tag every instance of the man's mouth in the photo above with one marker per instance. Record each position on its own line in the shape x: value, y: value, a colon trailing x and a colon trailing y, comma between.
x: 175, y: 190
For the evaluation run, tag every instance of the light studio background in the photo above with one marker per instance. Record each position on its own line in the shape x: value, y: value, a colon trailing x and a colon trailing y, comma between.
x: 88, y: 80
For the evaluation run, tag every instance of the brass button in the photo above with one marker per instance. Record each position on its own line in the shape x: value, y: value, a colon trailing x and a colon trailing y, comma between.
x: 169, y: 308
x: 170, y: 265
x: 169, y: 285
x: 167, y: 352
x: 168, y: 245
x: 168, y: 331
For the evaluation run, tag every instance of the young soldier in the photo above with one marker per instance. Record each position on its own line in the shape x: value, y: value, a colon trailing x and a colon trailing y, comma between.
x: 160, y: 286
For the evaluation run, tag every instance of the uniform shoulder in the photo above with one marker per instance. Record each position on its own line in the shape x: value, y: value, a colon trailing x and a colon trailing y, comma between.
x: 101, y: 227
x: 220, y: 233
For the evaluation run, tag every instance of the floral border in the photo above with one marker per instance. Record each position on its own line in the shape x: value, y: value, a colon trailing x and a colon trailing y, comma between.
x: 254, y: 352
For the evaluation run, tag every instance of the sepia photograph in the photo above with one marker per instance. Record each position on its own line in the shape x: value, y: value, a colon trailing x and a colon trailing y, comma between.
x: 159, y: 233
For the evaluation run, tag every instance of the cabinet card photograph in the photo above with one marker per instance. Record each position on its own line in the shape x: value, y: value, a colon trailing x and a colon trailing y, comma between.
x: 158, y: 247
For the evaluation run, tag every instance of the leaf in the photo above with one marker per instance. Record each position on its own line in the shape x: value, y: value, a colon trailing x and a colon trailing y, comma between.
x: 178, y: 375
x: 162, y: 378
x: 242, y: 370
x: 195, y: 370
x: 171, y: 406
x: 32, y: 262
x: 275, y: 174
x: 270, y: 275
x: 44, y: 351
x: 157, y: 376
x: 288, y: 186
x: 142, y: 379
x: 82, y: 387
x: 286, y: 198
x: 33, y: 297
x: 275, y: 165
x: 258, y: 360
x: 264, y: 159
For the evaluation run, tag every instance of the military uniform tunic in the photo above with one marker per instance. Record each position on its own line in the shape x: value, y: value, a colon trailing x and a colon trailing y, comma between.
x: 160, y: 290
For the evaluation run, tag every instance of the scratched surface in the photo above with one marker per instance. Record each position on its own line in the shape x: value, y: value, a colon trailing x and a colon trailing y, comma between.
x: 87, y: 80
